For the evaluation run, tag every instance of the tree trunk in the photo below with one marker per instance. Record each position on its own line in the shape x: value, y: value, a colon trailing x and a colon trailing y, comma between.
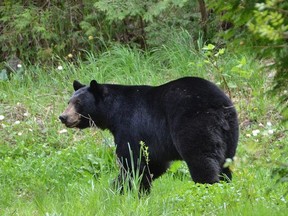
x: 204, y: 17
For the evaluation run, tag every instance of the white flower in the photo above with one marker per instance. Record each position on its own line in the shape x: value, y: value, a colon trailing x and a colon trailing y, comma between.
x: 1, y: 117
x: 270, y: 131
x: 26, y: 114
x: 283, y: 199
x: 20, y: 134
x: 62, y: 131
x: 255, y: 132
x: 60, y: 67
x: 17, y: 122
x: 248, y: 135
x: 19, y: 66
x: 269, y: 124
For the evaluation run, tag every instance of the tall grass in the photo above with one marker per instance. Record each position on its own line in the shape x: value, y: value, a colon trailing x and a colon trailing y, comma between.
x: 48, y: 170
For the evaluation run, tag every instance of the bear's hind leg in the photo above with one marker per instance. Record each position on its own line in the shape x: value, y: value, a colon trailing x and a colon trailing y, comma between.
x: 200, y: 143
x: 203, y: 169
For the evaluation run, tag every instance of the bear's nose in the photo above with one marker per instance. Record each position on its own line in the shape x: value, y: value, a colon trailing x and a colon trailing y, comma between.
x: 63, y: 118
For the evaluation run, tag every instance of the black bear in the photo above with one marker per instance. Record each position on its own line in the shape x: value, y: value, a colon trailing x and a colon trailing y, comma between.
x: 188, y: 119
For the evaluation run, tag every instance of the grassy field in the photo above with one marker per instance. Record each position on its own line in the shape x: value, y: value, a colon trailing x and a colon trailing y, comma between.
x: 46, y: 169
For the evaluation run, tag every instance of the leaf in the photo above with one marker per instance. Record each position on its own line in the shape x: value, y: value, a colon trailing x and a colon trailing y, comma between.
x: 221, y: 51
x: 209, y: 47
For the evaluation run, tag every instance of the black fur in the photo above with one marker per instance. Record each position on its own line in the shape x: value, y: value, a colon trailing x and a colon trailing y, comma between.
x: 188, y: 119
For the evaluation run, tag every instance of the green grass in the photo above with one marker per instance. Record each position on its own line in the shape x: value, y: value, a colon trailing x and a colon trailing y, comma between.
x: 47, y: 171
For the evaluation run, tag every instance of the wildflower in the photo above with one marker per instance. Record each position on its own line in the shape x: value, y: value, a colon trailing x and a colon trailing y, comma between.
x: 20, y: 134
x: 269, y: 124
x: 26, y: 114
x: 255, y: 132
x: 19, y: 66
x: 1, y: 117
x: 62, y: 131
x: 90, y: 37
x: 70, y: 55
x: 261, y: 125
x: 248, y: 135
x: 60, y: 67
x: 17, y: 122
x: 270, y: 131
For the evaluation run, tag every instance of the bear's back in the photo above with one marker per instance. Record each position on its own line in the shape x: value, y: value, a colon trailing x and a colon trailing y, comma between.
x: 193, y: 92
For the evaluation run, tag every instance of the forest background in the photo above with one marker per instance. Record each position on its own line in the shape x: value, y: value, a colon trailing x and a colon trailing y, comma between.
x: 241, y: 45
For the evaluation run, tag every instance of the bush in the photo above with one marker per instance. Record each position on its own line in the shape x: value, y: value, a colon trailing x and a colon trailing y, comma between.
x: 37, y: 31
x: 40, y: 31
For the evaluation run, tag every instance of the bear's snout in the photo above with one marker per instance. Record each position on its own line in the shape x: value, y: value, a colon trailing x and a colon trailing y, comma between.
x: 70, y: 117
x: 63, y: 118
x: 70, y: 120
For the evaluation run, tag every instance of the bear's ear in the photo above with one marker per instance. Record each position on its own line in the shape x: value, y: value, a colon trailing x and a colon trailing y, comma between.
x: 97, y: 88
x: 94, y: 85
x: 77, y: 85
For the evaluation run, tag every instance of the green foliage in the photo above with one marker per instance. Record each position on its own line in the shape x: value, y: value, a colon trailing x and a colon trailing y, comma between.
x: 238, y: 75
x: 119, y: 10
x: 261, y: 27
x: 39, y: 32
x: 148, y: 22
x: 268, y: 22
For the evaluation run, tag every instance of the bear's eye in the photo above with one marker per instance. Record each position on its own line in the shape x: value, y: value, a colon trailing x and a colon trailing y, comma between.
x: 77, y: 102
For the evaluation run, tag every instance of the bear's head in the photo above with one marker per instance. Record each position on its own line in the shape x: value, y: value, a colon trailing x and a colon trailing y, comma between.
x: 85, y: 106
